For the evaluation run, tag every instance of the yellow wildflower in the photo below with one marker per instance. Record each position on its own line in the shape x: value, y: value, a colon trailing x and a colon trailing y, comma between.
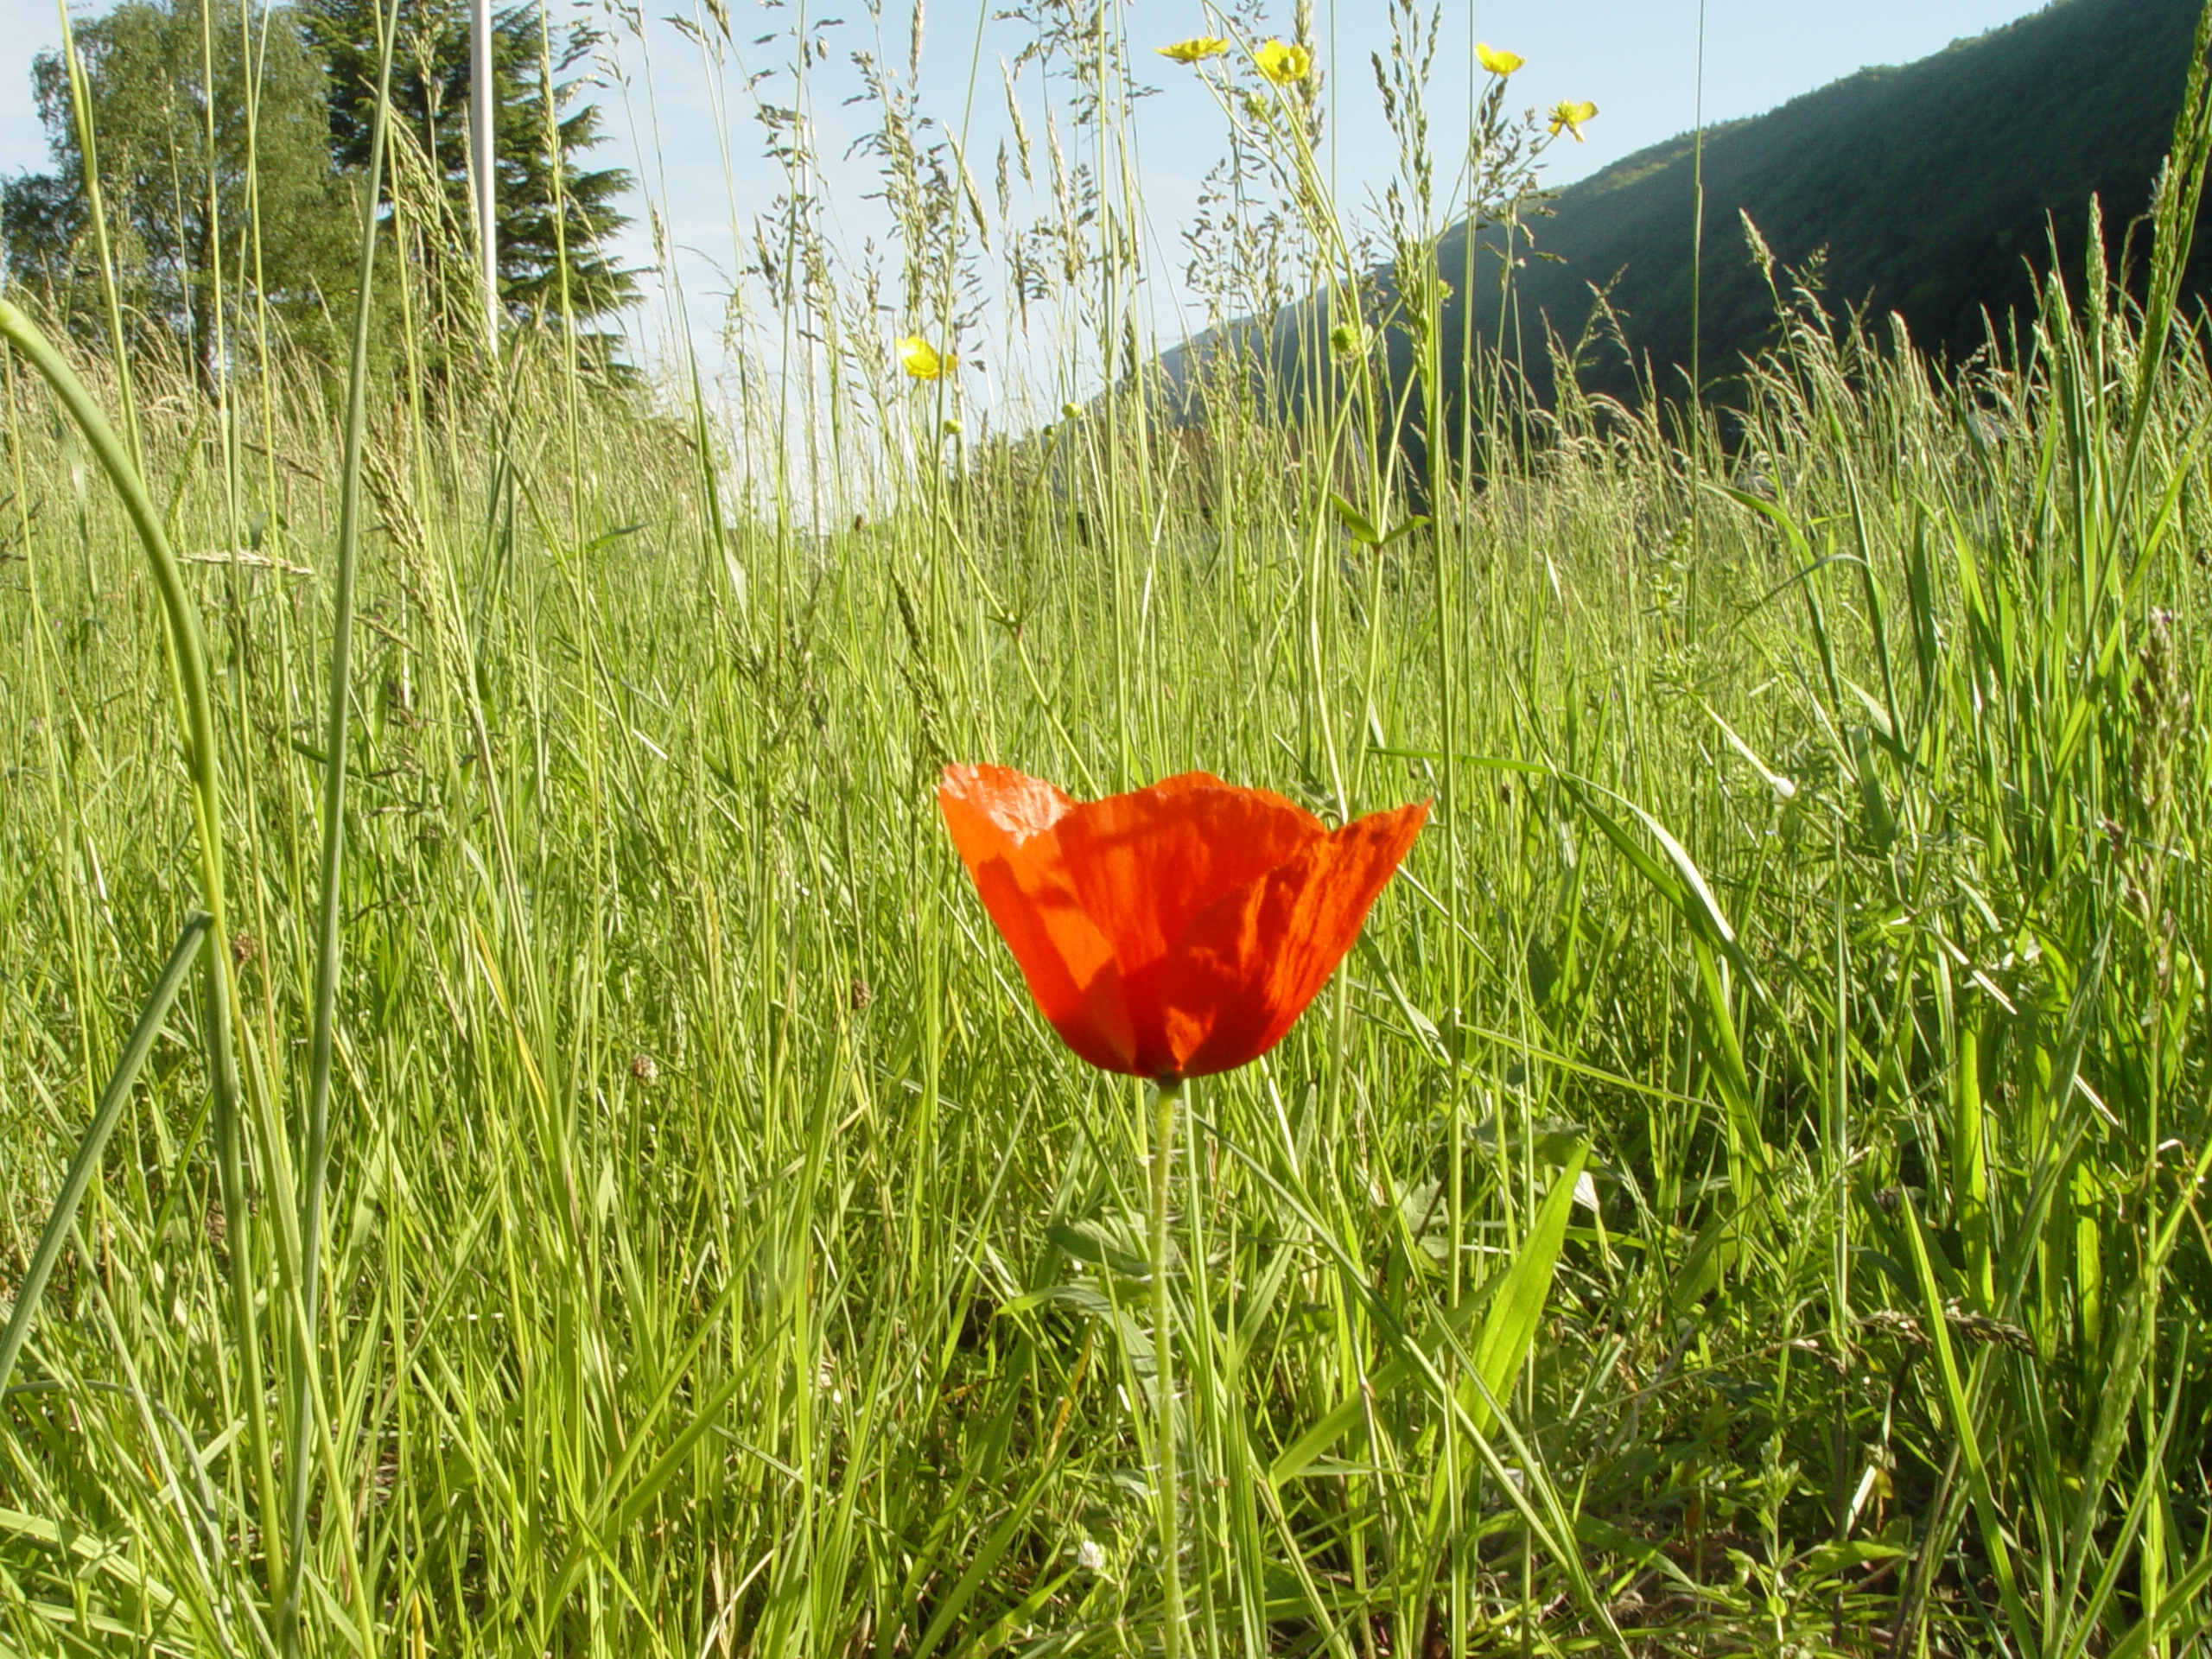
x: 1194, y: 50
x: 1282, y: 63
x: 1497, y: 62
x: 1569, y: 118
x: 922, y: 360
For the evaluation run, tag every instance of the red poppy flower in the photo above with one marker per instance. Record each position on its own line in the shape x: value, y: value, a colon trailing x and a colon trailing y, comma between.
x: 1176, y: 932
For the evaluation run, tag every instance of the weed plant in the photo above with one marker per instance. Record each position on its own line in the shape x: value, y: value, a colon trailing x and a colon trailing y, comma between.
x: 587, y: 1180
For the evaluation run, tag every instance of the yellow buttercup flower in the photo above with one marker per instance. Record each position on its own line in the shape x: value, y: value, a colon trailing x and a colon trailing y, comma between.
x: 1498, y: 63
x: 1194, y: 50
x: 1569, y: 118
x: 922, y: 360
x: 1282, y: 63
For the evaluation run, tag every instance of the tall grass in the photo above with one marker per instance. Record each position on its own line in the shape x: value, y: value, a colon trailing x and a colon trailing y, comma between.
x: 1741, y: 1194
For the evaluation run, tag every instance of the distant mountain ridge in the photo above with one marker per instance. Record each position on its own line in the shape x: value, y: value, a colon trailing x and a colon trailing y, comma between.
x: 1930, y: 187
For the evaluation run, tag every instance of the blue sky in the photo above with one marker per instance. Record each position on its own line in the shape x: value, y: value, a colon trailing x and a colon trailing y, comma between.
x: 1637, y: 59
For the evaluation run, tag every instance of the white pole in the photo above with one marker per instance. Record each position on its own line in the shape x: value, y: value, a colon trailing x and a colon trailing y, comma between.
x: 481, y: 161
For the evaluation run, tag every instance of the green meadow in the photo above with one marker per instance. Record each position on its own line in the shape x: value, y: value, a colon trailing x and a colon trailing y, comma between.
x: 517, y: 1137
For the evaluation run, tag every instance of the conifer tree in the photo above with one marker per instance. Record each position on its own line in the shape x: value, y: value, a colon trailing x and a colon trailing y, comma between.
x: 544, y: 210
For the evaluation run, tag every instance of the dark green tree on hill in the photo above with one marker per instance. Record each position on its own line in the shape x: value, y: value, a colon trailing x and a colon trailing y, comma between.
x: 542, y: 213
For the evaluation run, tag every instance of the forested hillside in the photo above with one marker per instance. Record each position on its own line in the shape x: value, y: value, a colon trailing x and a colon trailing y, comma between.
x: 1927, y: 190
x: 1931, y: 188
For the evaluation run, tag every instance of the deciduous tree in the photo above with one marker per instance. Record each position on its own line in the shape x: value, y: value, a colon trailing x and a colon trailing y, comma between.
x: 211, y: 138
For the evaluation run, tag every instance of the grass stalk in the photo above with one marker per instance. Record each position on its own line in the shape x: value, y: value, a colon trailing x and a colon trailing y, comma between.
x: 1166, y: 1095
x: 196, y: 718
x: 85, y: 1166
x: 337, y: 743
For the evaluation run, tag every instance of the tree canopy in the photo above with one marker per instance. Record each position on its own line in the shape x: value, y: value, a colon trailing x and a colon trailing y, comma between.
x: 207, y: 193
x: 534, y: 87
x: 251, y: 192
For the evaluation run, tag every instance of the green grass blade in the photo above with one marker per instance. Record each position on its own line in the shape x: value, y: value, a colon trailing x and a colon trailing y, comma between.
x: 84, y: 1168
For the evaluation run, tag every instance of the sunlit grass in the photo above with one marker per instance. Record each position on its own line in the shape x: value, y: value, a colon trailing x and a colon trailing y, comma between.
x: 1789, y: 1029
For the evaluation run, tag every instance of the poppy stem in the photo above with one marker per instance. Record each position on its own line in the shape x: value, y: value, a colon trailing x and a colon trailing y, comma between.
x: 1168, y: 1091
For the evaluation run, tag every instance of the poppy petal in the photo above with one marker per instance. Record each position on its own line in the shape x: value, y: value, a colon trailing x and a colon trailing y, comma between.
x: 1246, y: 967
x: 1144, y: 864
x: 1003, y: 824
